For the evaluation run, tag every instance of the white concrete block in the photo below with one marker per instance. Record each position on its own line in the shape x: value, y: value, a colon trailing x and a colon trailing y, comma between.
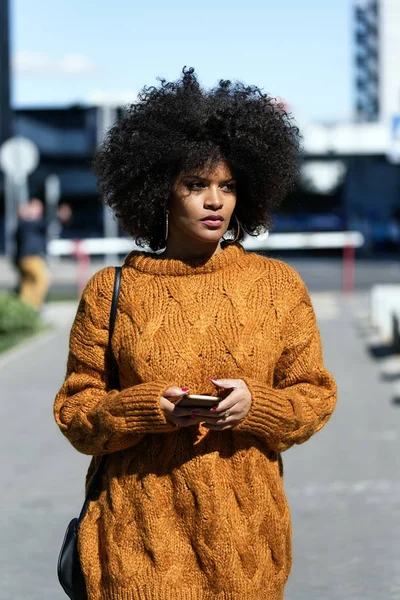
x: 385, y: 303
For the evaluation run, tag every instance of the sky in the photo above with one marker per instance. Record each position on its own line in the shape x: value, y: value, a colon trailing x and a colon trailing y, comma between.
x: 79, y: 51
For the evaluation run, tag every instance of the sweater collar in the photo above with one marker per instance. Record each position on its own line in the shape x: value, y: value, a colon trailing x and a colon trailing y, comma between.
x: 152, y: 264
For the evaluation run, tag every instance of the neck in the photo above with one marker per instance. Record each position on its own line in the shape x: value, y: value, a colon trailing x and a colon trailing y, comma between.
x: 180, y: 250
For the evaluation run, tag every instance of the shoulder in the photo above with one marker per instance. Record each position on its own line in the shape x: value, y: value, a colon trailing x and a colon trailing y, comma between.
x: 95, y: 302
x: 284, y: 284
x: 101, y: 284
x: 91, y: 321
x: 90, y: 327
x: 279, y: 274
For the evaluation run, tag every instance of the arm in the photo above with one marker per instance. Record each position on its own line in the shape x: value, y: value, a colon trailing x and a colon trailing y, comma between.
x: 94, y: 420
x: 304, y: 394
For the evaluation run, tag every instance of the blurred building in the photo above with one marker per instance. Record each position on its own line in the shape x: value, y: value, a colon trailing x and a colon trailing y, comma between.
x: 346, y: 169
x: 363, y: 156
x: 66, y: 139
x: 351, y: 171
x: 5, y: 113
x: 377, y: 45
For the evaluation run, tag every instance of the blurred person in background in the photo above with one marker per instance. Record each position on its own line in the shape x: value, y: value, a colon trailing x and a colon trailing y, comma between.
x: 31, y: 247
x: 30, y: 257
x: 191, y: 503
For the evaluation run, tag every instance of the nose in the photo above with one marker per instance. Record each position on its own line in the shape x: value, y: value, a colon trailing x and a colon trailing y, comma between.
x: 213, y: 198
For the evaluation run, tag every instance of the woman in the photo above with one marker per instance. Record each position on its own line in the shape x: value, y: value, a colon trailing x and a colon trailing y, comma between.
x: 192, y: 504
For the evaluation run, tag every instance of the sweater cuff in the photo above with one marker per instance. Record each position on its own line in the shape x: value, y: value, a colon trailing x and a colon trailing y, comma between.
x: 137, y: 408
x: 271, y: 415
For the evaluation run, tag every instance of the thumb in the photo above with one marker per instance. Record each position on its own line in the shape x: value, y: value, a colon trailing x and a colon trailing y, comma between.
x: 175, y: 391
x: 226, y: 384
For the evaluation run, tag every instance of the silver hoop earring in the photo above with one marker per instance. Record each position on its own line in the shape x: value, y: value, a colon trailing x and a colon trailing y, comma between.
x: 166, y: 224
x: 235, y: 239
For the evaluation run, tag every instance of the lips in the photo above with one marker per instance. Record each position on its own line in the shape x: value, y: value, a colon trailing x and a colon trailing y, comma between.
x: 213, y: 221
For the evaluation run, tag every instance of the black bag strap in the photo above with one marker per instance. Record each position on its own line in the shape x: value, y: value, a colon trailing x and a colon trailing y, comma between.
x: 113, y: 384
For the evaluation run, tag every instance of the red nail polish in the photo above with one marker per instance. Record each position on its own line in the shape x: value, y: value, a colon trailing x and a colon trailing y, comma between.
x: 185, y: 389
x: 213, y: 410
x: 195, y: 412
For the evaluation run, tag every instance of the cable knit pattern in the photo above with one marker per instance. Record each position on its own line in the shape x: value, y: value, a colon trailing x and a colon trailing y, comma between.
x: 190, y: 514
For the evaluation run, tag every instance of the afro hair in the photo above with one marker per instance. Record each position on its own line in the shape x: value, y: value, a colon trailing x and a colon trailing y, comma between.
x: 179, y: 126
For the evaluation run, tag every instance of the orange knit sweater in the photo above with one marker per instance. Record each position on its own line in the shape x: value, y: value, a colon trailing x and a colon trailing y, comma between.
x: 192, y: 514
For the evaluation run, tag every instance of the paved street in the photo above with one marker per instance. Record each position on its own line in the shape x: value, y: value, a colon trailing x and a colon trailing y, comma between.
x: 343, y: 485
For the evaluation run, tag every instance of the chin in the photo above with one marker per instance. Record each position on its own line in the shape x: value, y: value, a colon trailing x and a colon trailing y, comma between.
x: 213, y: 237
x: 202, y: 236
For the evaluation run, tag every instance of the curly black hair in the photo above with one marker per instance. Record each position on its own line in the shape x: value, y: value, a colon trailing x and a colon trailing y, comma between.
x: 180, y: 126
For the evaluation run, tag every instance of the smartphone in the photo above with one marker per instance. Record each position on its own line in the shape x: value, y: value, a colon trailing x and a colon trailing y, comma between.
x: 197, y: 400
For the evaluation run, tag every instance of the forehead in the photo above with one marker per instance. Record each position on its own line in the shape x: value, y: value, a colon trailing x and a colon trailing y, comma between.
x: 220, y: 171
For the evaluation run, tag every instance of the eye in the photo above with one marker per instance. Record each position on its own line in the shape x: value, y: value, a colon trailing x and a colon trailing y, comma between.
x: 195, y: 185
x: 229, y: 187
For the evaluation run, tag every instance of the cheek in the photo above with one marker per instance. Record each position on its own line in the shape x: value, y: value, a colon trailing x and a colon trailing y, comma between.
x: 190, y: 208
x: 231, y: 204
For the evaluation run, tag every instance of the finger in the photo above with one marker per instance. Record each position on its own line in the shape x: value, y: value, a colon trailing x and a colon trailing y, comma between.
x: 166, y: 405
x: 204, y: 413
x: 174, y: 411
x: 226, y: 384
x: 218, y: 422
x: 211, y: 415
x: 171, y: 409
x: 219, y: 427
x: 175, y: 391
x: 228, y: 403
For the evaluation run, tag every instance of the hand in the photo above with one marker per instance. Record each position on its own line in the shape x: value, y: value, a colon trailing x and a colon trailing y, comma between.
x: 237, y: 401
x: 176, y: 415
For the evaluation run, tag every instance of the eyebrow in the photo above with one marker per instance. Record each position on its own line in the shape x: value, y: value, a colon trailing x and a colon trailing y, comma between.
x: 199, y: 177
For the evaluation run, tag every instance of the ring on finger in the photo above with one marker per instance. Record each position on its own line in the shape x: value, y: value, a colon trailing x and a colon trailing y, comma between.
x: 227, y: 413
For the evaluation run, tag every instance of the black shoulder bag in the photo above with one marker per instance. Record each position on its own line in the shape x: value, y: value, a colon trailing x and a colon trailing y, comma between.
x: 69, y: 569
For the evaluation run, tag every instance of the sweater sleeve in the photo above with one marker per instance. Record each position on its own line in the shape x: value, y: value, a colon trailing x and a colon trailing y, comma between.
x: 96, y: 420
x: 303, y: 395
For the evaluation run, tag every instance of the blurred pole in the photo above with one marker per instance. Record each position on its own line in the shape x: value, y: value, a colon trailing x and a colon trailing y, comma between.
x: 16, y: 194
x: 5, y: 109
x: 348, y: 273
x: 106, y: 117
x: 6, y: 120
x: 83, y: 267
x: 22, y: 190
x: 10, y: 214
x: 52, y: 194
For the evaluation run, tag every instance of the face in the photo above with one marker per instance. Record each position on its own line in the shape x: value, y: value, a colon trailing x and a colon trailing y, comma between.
x: 201, y: 206
x: 36, y: 209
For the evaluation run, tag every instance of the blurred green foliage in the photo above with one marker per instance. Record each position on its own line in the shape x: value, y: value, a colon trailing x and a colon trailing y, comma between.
x: 18, y: 320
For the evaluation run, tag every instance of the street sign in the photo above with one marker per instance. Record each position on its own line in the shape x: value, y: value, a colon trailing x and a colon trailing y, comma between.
x: 18, y: 157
